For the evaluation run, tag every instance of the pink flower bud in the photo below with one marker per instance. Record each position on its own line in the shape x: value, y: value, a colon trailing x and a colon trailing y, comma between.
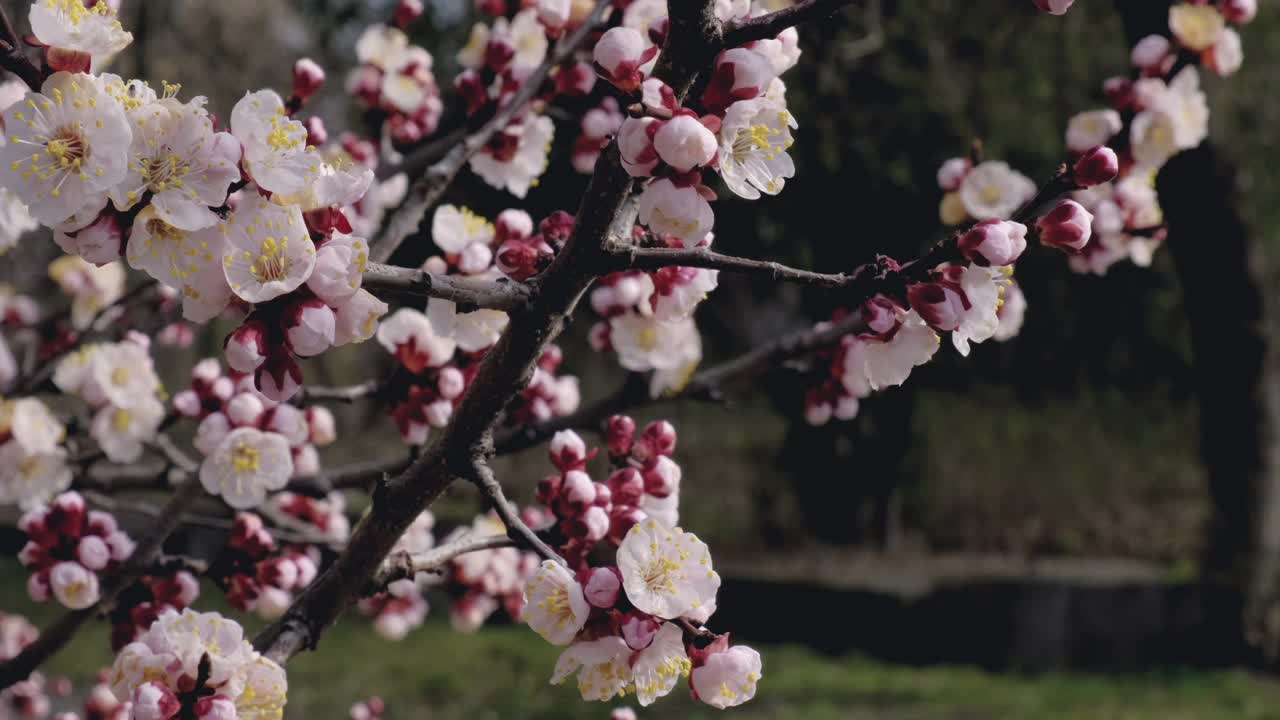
x: 941, y: 304
x: 407, y: 11
x: 153, y: 701
x: 471, y: 87
x: 568, y: 451
x: 223, y: 388
x: 178, y: 591
x: 475, y: 258
x: 98, y: 243
x: 684, y: 143
x: 100, y: 523
x: 499, y: 52
x: 121, y: 546
x: 952, y: 173
x: 309, y: 327
x: 187, y: 403
x: 663, y: 478
x: 512, y: 224
x: 621, y: 429
x: 994, y: 242
x: 73, y: 585
x: 438, y: 413
x: 307, y: 570
x: 618, y: 56
x: 317, y: 135
x: 740, y: 74
x: 577, y: 490
x: 322, y: 428
x: 554, y: 13
x: 621, y: 520
x: 658, y: 438
x: 215, y: 707
x: 67, y: 60
x: 245, y: 348
x: 1067, y: 227
x: 67, y: 514
x: 622, y: 713
x: 1239, y: 11
x: 451, y: 383
x: 880, y: 314
x: 638, y: 630
x: 626, y: 486
x: 1150, y: 52
x: 602, y: 587
x: 308, y: 76
x: 1096, y: 166
x: 279, y: 377
x: 38, y: 587
x: 635, y: 143
x: 306, y: 461
x: 1054, y: 7
x: 280, y: 572
x: 596, y: 522
x: 245, y: 409
x: 549, y: 489
x: 518, y: 260
x: 93, y: 553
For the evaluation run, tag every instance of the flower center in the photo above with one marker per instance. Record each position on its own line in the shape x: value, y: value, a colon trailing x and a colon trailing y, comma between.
x: 244, y: 458
x: 660, y: 575
x: 163, y: 171
x: 121, y: 419
x: 273, y: 262
x: 279, y: 138
x: 647, y: 339
x: 120, y: 376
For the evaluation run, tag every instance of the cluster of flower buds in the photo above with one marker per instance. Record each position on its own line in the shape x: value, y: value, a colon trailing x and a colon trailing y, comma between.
x: 197, y: 665
x: 252, y: 444
x: 323, y: 518
x: 256, y: 575
x: 140, y: 604
x: 644, y: 483
x: 394, y: 78
x: 402, y: 608
x: 647, y: 317
x: 522, y: 252
x: 548, y: 395
x: 599, y: 125
x: 118, y: 382
x: 68, y: 545
x: 625, y: 623
x: 100, y: 703
x: 479, y: 583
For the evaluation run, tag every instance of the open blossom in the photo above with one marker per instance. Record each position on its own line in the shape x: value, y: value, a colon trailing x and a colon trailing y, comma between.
x: 29, y: 423
x: 66, y: 144
x: 276, y: 152
x: 993, y: 190
x: 72, y: 25
x: 15, y: 219
x: 754, y: 138
x: 121, y: 432
x: 521, y: 157
x: 190, y: 262
x: 740, y: 74
x: 554, y: 605
x: 1174, y: 117
x: 31, y: 479
x: 983, y: 288
x: 1227, y: 55
x: 648, y: 343
x: 268, y: 252
x: 661, y: 666
x: 74, y: 585
x: 357, y: 318
x: 338, y: 181
x: 666, y: 572
x: 1196, y: 26
x: 413, y: 339
x: 878, y: 364
x: 246, y: 465
x: 676, y: 210
x: 1091, y: 129
x: 454, y: 229
x: 121, y: 374
x: 603, y: 668
x: 91, y: 288
x: 178, y: 158
x: 727, y: 678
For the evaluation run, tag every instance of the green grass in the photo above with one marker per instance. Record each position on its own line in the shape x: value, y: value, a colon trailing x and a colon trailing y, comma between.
x: 502, y: 672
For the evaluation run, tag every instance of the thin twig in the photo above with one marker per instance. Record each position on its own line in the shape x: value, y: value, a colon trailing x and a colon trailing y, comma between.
x: 391, y: 281
x: 524, y: 536
x: 741, y: 32
x: 406, y: 566
x: 638, y: 258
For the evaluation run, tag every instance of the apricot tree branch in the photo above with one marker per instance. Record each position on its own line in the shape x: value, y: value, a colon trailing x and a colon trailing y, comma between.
x: 390, y: 281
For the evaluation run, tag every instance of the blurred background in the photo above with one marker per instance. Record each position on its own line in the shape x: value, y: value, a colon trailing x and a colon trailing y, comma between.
x: 1072, y: 524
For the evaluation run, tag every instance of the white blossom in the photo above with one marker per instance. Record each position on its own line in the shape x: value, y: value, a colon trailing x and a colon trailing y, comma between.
x: 268, y: 251
x: 676, y: 210
x: 275, y: 148
x: 983, y: 287
x: 91, y: 288
x: 415, y: 341
x: 121, y: 374
x: 357, y: 318
x: 661, y: 666
x: 554, y: 605
x: 1088, y: 130
x: 190, y: 262
x: 121, y: 432
x: 31, y: 479
x: 454, y: 228
x: 754, y: 139
x: 66, y: 144
x: 71, y: 25
x: 666, y: 572
x: 993, y: 190
x: 246, y: 465
x: 602, y: 667
x: 526, y: 164
x: 31, y: 424
x: 728, y: 678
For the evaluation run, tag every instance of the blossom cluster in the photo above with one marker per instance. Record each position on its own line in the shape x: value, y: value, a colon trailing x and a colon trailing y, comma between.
x: 252, y: 444
x: 197, y: 665
x: 479, y: 583
x: 256, y: 574
x: 629, y: 626
x: 1157, y: 112
x: 119, y: 383
x: 28, y: 698
x: 67, y: 546
x: 394, y: 78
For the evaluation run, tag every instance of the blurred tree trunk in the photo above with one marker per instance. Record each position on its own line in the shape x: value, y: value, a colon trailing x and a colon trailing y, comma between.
x: 1237, y: 381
